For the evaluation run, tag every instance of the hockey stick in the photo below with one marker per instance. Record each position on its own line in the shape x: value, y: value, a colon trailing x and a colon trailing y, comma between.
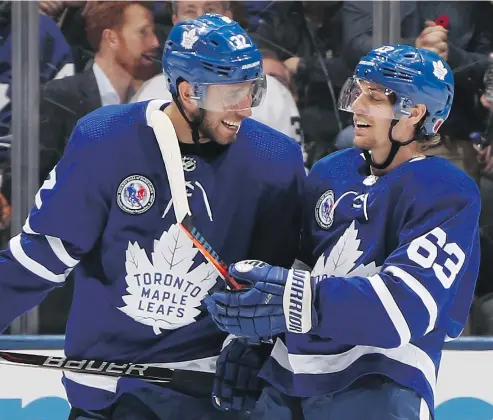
x: 170, y: 151
x: 129, y: 370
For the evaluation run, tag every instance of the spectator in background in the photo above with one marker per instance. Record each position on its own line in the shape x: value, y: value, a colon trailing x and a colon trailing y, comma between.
x: 482, y: 308
x: 69, y: 16
x: 122, y: 34
x: 306, y: 36
x: 56, y: 8
x: 184, y: 10
x: 485, y: 153
x: 254, y: 10
x: 466, y: 41
x: 275, y: 67
x: 278, y: 110
x: 54, y: 55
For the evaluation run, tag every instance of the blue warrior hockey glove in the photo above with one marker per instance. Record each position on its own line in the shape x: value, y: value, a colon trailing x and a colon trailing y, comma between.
x: 279, y: 300
x: 237, y: 386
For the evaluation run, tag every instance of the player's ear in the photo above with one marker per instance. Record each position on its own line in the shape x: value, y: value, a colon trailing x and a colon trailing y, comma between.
x: 418, y: 112
x: 185, y: 93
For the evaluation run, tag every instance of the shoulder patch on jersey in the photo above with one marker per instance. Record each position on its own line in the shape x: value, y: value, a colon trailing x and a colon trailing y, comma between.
x: 323, y: 210
x: 136, y: 194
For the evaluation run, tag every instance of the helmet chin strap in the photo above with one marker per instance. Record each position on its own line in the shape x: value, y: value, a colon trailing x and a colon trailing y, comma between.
x: 394, y: 148
x: 195, y: 123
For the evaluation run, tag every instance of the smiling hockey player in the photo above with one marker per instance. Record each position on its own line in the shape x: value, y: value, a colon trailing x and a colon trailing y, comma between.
x: 392, y: 236
x: 105, y: 213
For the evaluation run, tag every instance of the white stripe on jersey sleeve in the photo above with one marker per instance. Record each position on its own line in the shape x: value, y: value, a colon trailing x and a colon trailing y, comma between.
x: 31, y: 265
x: 391, y: 308
x: 48, y: 184
x: 320, y: 364
x: 27, y: 228
x: 60, y: 251
x: 448, y: 338
x: 56, y: 245
x: 420, y: 290
x: 424, y: 411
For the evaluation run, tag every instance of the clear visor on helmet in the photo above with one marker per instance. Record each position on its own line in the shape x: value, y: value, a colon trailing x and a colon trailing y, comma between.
x: 230, y: 96
x: 367, y: 98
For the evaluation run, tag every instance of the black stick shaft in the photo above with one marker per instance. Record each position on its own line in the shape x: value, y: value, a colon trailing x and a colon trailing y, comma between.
x: 97, y: 367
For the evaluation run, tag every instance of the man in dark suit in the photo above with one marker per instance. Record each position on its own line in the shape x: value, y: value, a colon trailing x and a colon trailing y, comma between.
x: 122, y: 34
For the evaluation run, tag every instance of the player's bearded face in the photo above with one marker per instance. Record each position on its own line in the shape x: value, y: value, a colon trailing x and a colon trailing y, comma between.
x: 372, y: 116
x: 222, y: 123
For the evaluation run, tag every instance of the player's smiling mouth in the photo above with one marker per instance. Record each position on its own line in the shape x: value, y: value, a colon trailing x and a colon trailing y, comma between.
x: 361, y: 124
x: 231, y: 125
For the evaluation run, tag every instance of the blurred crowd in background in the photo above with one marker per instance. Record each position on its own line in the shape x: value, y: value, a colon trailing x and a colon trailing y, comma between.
x: 98, y: 53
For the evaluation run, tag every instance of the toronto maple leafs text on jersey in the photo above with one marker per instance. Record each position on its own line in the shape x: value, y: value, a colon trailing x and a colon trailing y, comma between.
x: 166, y: 293
x: 139, y: 280
x: 395, y: 261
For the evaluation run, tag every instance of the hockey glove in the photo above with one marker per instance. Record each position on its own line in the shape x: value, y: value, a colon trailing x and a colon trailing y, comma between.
x: 279, y: 300
x: 237, y: 386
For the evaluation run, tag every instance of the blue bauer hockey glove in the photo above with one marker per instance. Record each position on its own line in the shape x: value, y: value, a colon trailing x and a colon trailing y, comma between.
x: 237, y: 386
x: 278, y: 300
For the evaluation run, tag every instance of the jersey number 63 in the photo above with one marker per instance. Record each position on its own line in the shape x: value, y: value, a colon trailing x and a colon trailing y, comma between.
x: 424, y: 251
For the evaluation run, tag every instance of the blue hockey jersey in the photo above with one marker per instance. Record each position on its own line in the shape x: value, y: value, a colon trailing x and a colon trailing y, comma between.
x: 395, y: 260
x: 105, y: 213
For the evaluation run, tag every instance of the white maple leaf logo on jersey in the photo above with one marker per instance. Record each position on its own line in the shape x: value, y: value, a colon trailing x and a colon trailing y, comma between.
x: 342, y: 258
x: 164, y: 293
x: 189, y: 38
x: 439, y: 70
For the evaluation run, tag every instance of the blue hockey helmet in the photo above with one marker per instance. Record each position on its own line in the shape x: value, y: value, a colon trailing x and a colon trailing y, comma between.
x: 214, y: 50
x: 410, y: 76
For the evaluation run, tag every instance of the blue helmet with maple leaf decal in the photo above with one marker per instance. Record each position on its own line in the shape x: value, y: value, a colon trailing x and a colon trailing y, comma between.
x: 413, y: 75
x: 213, y: 50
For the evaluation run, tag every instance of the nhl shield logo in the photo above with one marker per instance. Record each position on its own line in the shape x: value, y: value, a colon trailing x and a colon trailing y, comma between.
x: 324, y: 210
x: 189, y: 163
x: 136, y: 194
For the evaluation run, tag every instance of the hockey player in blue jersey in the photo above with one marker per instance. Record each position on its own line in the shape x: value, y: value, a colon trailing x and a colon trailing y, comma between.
x: 104, y: 214
x: 392, y: 236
